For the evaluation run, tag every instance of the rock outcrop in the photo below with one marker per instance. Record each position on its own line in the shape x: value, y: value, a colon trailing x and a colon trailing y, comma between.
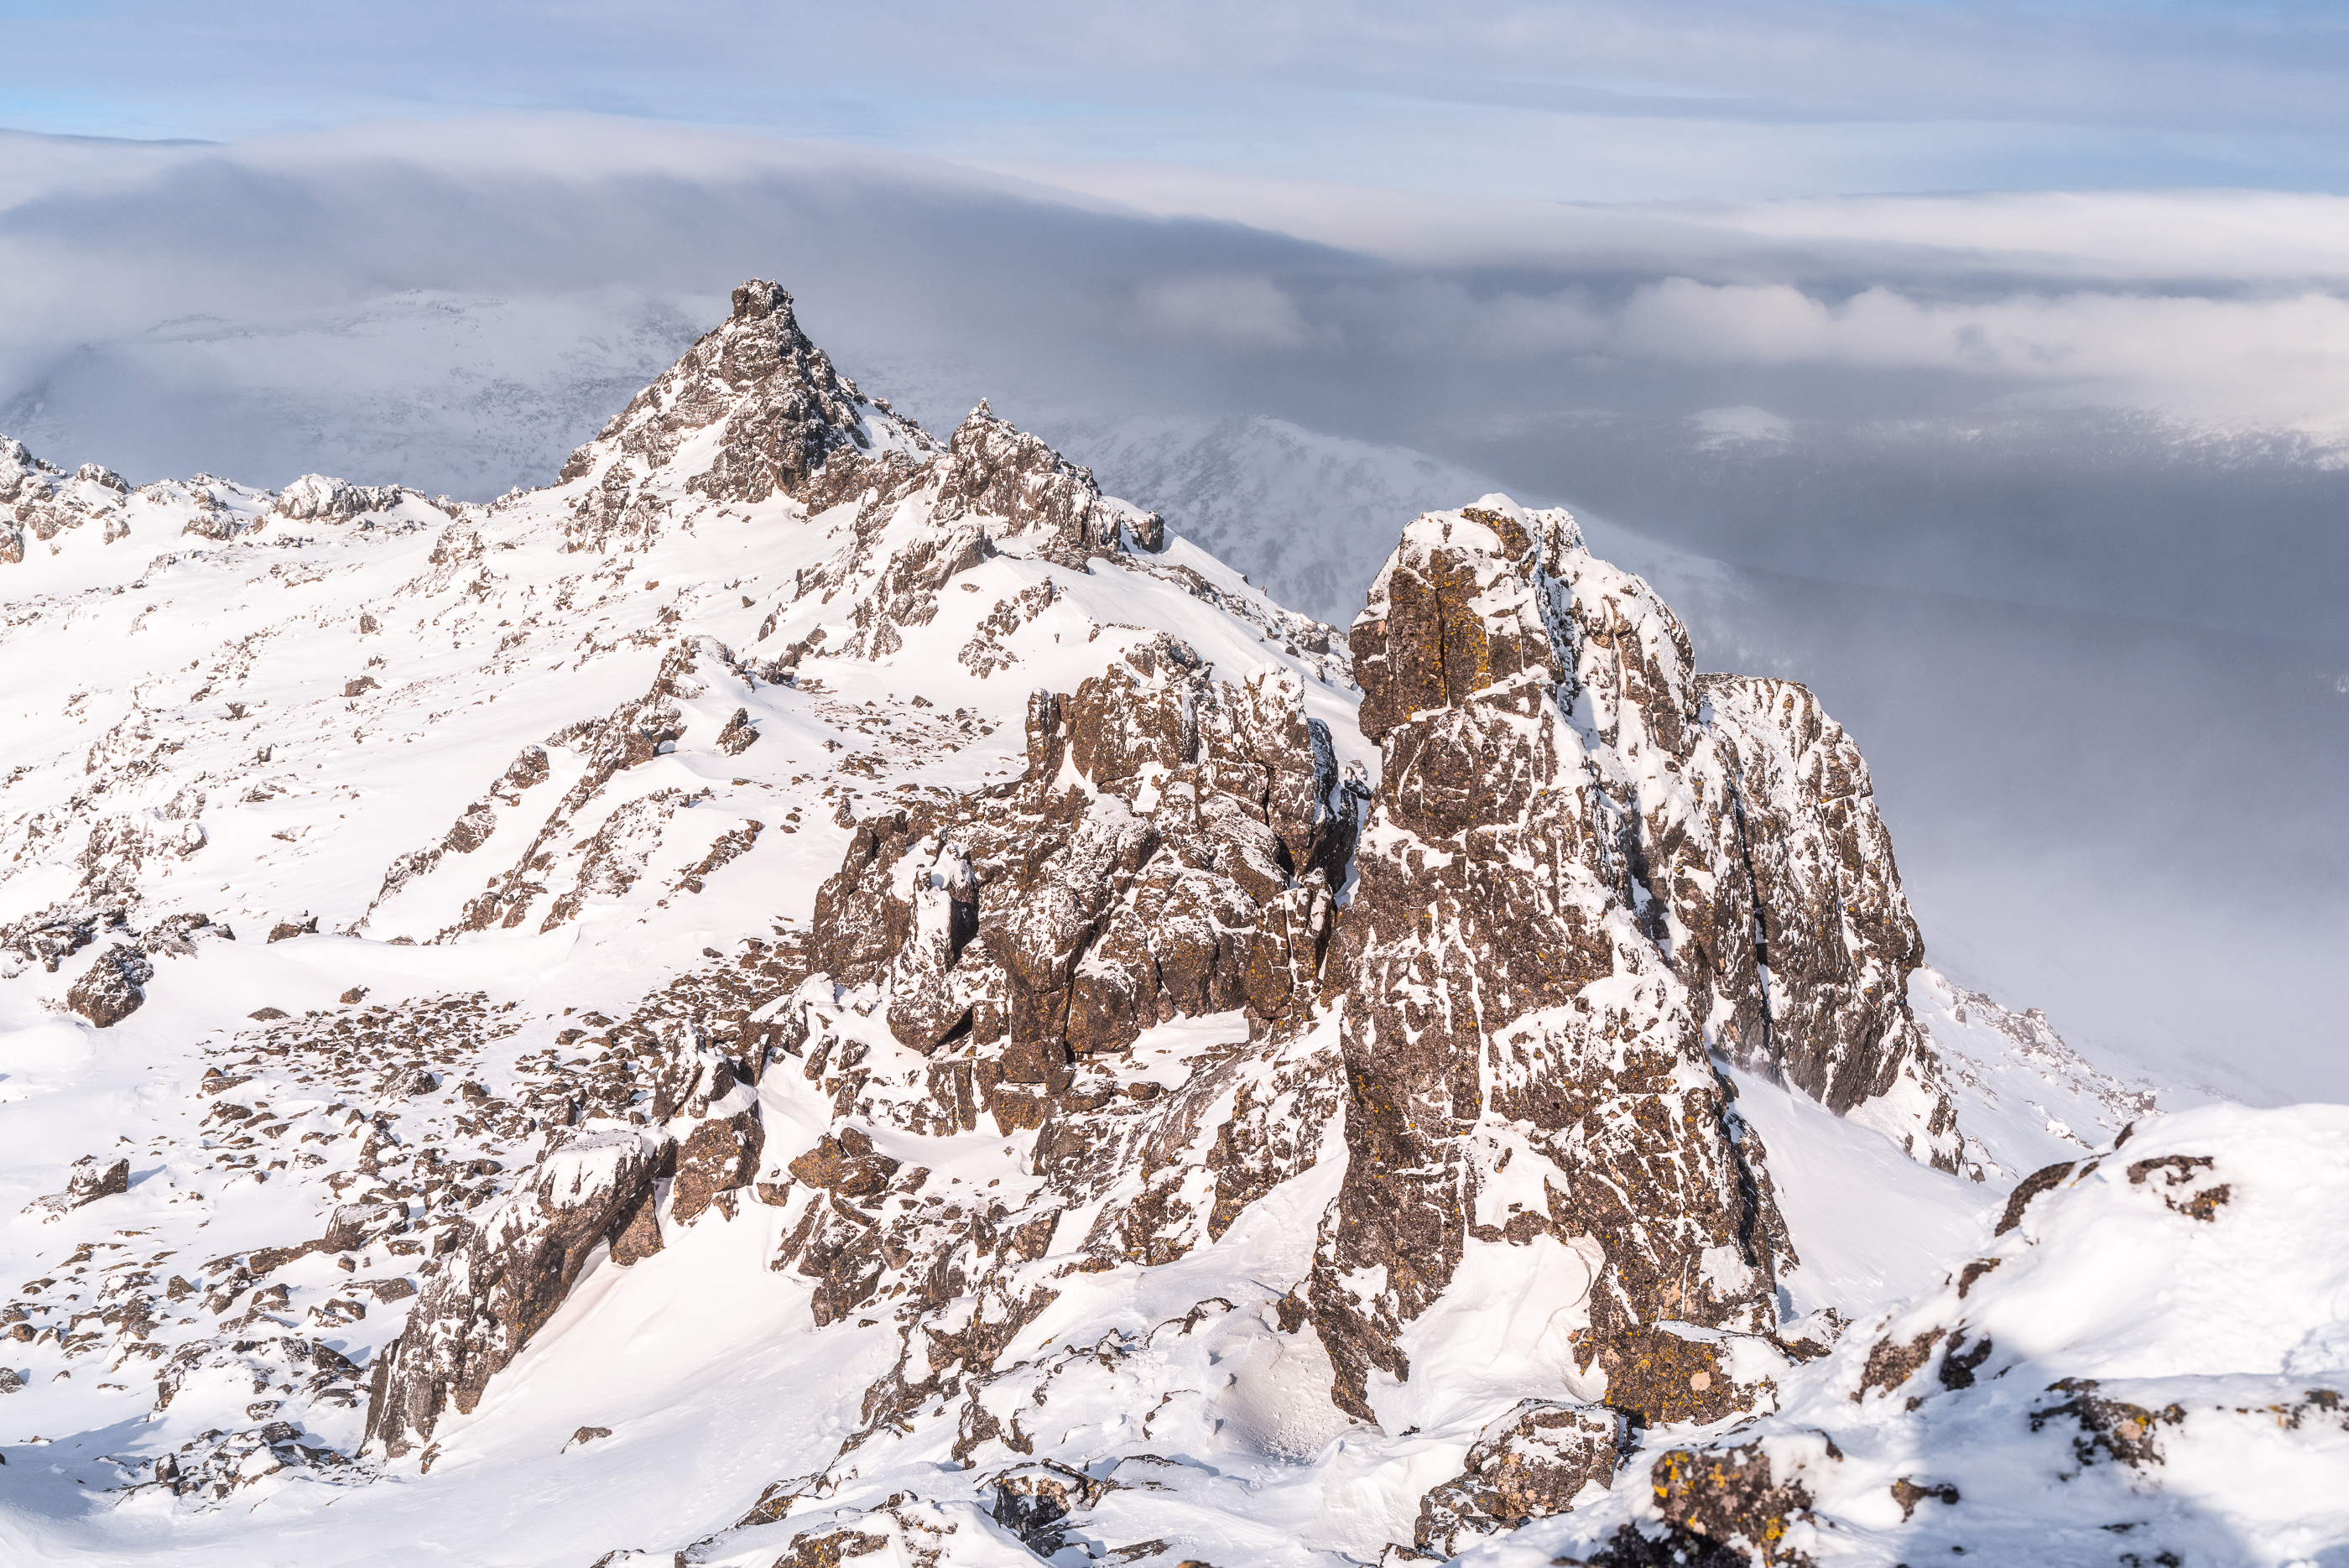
x: 2036, y: 1370
x: 480, y: 1304
x: 92, y: 1177
x: 1820, y: 996
x: 1532, y: 1463
x: 39, y: 501
x: 1170, y: 853
x: 696, y: 1140
x: 1524, y: 1062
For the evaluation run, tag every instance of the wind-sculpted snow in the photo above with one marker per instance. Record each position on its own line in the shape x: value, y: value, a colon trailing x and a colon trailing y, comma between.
x: 2093, y: 1386
x: 813, y: 990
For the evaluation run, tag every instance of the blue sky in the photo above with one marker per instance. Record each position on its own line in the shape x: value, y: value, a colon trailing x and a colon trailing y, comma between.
x: 1571, y: 100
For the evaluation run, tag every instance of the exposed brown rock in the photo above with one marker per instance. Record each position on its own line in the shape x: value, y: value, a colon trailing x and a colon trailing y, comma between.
x: 1728, y: 1496
x: 2041, y: 1181
x: 2182, y: 1184
x: 1001, y: 471
x: 1832, y: 924
x: 1908, y: 1494
x: 176, y: 936
x: 481, y: 1302
x: 830, y: 1549
x: 92, y: 1177
x: 113, y: 987
x: 846, y: 1166
x: 1512, y: 736
x: 1169, y: 853
x: 2108, y: 1428
x: 789, y: 423
x: 719, y: 1155
x: 1891, y: 1363
x: 1528, y: 1465
x: 739, y: 735
x: 55, y: 934
x: 637, y: 1235
x: 1657, y: 1377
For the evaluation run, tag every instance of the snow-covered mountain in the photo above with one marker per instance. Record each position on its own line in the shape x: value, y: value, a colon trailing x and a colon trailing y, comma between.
x: 814, y: 992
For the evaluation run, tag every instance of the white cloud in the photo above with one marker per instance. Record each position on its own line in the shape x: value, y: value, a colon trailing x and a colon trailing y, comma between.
x: 1243, y: 313
x: 1729, y: 427
x: 2283, y: 359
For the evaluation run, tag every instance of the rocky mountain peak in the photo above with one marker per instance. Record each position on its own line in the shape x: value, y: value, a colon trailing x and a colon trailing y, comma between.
x: 1463, y: 607
x: 753, y: 409
x: 1507, y: 968
x: 759, y: 300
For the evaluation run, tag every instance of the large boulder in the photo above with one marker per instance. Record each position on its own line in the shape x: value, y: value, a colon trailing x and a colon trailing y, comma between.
x: 92, y: 1177
x: 114, y: 987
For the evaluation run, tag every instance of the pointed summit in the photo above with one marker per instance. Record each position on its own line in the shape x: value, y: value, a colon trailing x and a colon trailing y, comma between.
x: 758, y: 299
x: 754, y: 408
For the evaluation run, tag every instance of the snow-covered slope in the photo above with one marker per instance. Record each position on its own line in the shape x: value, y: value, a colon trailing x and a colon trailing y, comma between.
x: 2140, y: 1361
x: 814, y: 990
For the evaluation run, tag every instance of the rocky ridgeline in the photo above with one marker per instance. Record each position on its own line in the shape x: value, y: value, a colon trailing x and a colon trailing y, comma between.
x: 754, y: 410
x: 41, y: 505
x: 1574, y: 862
x: 1170, y: 853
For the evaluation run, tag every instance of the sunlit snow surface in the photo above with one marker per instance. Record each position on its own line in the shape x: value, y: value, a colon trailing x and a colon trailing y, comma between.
x: 2219, y: 1343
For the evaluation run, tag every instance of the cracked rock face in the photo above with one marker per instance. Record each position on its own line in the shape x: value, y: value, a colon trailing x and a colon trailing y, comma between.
x: 999, y: 471
x: 1524, y: 1062
x: 1169, y: 853
x: 1732, y: 820
x: 1830, y: 921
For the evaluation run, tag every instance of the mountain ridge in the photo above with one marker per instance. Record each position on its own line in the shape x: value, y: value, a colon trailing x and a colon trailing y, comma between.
x: 1371, y: 1011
